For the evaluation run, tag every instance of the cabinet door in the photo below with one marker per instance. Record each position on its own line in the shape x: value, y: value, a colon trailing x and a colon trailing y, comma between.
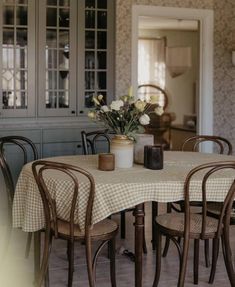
x: 57, y: 57
x: 96, y: 51
x: 17, y: 58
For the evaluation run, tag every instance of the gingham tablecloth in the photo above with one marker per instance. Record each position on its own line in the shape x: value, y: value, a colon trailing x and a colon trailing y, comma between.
x: 115, y: 190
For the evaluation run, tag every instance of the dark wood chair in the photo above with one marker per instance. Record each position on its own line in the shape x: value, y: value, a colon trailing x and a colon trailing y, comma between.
x: 221, y: 146
x: 28, y: 152
x: 55, y: 227
x: 196, y: 226
x: 90, y: 142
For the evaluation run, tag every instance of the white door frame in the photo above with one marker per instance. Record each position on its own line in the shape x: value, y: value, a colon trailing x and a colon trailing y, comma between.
x: 206, y: 19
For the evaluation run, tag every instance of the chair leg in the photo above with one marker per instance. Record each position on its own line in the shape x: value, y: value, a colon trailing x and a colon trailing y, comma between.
x: 28, y: 244
x: 215, y: 253
x: 207, y: 252
x: 45, y: 259
x: 158, y: 258
x: 123, y: 224
x: 196, y: 261
x: 183, y: 264
x: 89, y: 264
x: 166, y: 247
x: 112, y: 262
x: 70, y: 252
x: 154, y: 214
x: 227, y: 253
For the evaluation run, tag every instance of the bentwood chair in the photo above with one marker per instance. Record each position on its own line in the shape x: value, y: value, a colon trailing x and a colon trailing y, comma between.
x: 221, y: 146
x: 26, y: 151
x: 196, y: 226
x: 69, y: 230
x: 90, y: 144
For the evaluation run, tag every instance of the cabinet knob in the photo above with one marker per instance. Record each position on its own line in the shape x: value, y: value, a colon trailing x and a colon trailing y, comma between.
x: 81, y: 112
x: 72, y: 112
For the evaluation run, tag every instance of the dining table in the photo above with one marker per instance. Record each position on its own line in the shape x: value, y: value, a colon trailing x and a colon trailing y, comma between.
x: 117, y: 190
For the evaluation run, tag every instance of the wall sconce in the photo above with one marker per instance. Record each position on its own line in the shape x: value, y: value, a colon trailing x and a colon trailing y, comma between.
x: 178, y: 60
x: 233, y: 58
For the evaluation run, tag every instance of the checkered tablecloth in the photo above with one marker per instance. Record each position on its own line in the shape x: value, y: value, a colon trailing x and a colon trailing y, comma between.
x: 115, y: 190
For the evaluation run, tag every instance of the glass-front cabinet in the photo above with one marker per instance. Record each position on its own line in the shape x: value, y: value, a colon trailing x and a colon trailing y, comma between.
x: 55, y: 56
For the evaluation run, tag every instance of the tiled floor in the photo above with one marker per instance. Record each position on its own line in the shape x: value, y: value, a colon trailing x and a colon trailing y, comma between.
x: 21, y: 269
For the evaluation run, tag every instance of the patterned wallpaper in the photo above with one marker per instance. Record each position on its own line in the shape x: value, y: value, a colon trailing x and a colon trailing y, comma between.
x: 224, y: 43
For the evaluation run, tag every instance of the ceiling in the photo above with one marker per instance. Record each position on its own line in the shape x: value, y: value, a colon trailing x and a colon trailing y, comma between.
x: 167, y: 24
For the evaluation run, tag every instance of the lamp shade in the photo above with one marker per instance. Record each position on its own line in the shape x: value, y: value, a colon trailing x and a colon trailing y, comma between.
x: 178, y: 60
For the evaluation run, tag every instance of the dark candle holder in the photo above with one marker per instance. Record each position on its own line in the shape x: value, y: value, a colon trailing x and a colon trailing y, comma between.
x: 153, y: 157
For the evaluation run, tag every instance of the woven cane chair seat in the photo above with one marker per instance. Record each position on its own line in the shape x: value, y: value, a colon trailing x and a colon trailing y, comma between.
x: 99, y: 230
x: 214, y: 208
x: 176, y: 224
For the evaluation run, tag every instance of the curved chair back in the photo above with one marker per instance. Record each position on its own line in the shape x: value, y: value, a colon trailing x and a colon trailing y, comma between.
x: 148, y: 90
x: 223, y: 145
x: 41, y: 169
x: 209, y: 172
x: 90, y: 140
x: 22, y: 143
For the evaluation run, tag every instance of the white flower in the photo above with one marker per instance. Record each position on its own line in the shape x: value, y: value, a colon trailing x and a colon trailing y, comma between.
x: 154, y: 99
x: 96, y: 101
x: 116, y: 105
x: 159, y: 111
x: 140, y: 105
x: 91, y: 114
x: 100, y: 97
x: 144, y: 119
x: 105, y: 108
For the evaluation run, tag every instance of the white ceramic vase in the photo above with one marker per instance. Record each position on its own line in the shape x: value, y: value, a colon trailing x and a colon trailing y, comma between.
x: 123, y: 149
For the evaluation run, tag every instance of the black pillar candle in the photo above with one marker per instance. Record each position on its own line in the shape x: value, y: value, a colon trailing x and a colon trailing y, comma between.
x: 153, y: 157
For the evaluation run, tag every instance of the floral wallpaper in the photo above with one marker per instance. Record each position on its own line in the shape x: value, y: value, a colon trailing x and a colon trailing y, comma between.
x: 224, y: 43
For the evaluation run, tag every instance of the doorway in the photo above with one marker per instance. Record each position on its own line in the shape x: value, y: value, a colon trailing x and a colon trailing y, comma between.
x: 205, y: 76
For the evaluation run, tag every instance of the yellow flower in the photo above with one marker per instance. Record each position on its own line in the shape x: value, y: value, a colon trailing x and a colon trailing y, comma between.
x: 159, y: 111
x: 91, y: 115
x: 95, y: 100
x: 154, y: 99
x: 140, y: 105
x: 100, y: 97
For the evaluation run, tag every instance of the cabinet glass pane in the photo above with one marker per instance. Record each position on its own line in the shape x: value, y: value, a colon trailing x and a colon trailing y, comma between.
x: 90, y: 60
x: 102, y: 4
x: 64, y: 17
x: 88, y: 99
x: 21, y: 37
x: 8, y: 36
x: 101, y: 78
x: 64, y: 2
x: 90, y: 19
x: 101, y: 60
x: 90, y: 3
x: 8, y: 15
x: 21, y: 58
x: 90, y: 40
x: 22, y: 1
x: 8, y: 79
x: 51, y: 100
x: 63, y: 38
x: 63, y: 80
x: 51, y: 17
x: 21, y: 16
x: 21, y: 80
x: 7, y: 58
x: 63, y: 100
x: 52, y: 2
x: 21, y: 100
x: 63, y: 60
x: 8, y: 100
x: 102, y: 20
x: 51, y: 38
x: 51, y: 80
x: 51, y: 59
x: 101, y: 40
x: 89, y: 80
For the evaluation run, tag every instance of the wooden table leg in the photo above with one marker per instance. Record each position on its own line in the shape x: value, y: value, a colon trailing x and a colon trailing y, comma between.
x: 37, y: 252
x: 139, y: 233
